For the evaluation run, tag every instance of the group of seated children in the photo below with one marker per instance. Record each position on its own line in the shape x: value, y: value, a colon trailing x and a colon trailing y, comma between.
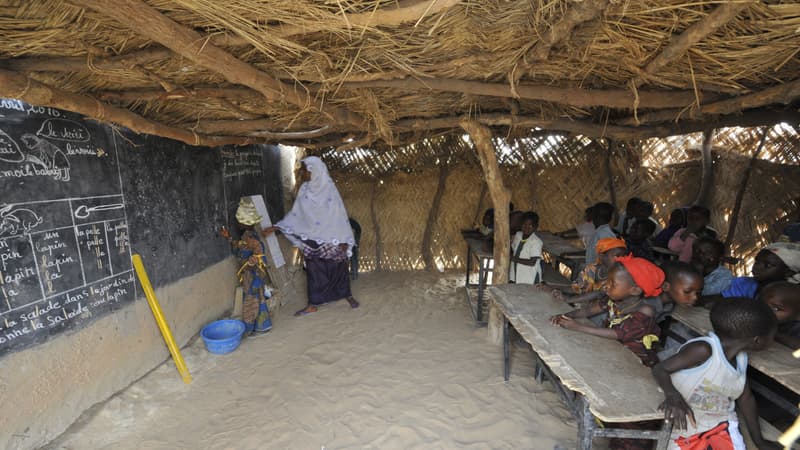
x: 628, y: 298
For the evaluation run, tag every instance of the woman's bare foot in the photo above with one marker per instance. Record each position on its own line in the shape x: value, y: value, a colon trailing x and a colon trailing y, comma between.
x: 353, y: 303
x: 307, y: 310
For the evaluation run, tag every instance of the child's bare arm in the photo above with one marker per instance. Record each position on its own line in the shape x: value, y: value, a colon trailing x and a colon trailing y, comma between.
x: 746, y: 406
x: 587, y: 297
x: 586, y: 311
x: 571, y: 324
x: 674, y: 405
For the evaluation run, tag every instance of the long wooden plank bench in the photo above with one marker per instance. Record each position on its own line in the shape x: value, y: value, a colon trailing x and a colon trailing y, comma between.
x: 598, y: 378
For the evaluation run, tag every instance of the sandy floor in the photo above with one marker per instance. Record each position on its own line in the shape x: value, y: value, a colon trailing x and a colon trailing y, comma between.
x: 407, y: 370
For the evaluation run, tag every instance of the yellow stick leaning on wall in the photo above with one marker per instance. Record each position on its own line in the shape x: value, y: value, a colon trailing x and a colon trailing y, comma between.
x: 160, y: 320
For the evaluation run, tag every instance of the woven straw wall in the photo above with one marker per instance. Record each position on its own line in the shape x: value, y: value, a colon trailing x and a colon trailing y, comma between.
x: 559, y: 193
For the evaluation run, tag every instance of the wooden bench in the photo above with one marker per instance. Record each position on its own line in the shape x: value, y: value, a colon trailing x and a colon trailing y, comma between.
x: 561, y: 251
x: 597, y: 378
x: 776, y: 362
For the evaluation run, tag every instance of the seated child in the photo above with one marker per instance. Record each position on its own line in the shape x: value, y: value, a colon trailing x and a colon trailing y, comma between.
x: 707, y: 256
x: 630, y: 320
x: 784, y: 299
x: 589, y: 283
x: 705, y: 383
x: 583, y: 230
x: 644, y: 211
x: 487, y: 223
x: 776, y: 262
x: 682, y: 286
x: 601, y: 217
x: 638, y: 241
x: 697, y: 220
x: 627, y: 217
x: 677, y: 220
x: 526, y: 260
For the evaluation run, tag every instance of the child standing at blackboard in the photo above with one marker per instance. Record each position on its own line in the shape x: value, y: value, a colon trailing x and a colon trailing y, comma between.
x: 253, y: 278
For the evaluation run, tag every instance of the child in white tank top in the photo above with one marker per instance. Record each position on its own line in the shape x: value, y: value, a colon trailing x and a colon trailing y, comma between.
x: 705, y: 383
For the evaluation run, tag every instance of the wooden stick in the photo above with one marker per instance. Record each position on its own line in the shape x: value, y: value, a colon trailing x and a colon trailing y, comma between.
x: 737, y: 205
x: 579, y: 13
x: 612, y: 98
x: 679, y: 45
x: 376, y: 226
x: 19, y: 86
x: 785, y: 94
x: 622, y: 133
x: 612, y: 192
x: 433, y: 214
x: 482, y: 137
x: 149, y: 22
x: 707, y: 175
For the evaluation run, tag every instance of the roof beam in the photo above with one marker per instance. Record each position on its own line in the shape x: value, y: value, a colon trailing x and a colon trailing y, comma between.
x: 698, y: 31
x: 19, y: 86
x: 573, y: 96
x: 785, y: 94
x: 149, y: 22
x: 579, y: 13
x: 624, y: 133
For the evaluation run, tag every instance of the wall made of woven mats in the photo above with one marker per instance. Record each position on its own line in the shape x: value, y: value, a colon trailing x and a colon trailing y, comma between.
x: 559, y: 194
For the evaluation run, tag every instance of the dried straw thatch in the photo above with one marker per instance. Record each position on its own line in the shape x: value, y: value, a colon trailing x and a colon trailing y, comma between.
x: 349, y: 72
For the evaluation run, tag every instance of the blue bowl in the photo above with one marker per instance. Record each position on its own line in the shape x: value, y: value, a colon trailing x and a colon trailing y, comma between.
x: 223, y: 336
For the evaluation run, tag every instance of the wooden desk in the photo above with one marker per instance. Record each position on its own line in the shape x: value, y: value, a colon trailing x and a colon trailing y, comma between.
x: 477, y: 251
x: 777, y: 361
x: 560, y: 249
x: 610, y: 381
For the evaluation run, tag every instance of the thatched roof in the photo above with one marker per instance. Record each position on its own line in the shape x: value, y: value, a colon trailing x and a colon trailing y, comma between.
x: 353, y: 72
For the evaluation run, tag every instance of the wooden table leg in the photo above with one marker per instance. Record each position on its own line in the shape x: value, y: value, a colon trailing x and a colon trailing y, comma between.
x: 506, y: 350
x: 586, y: 424
x: 482, y: 277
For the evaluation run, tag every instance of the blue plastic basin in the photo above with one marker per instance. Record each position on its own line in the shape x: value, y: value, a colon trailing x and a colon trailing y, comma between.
x: 223, y: 336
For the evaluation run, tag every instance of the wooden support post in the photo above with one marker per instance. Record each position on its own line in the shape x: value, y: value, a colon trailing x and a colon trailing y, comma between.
x: 707, y: 176
x: 737, y: 206
x: 376, y: 226
x: 427, y: 237
x: 480, y: 204
x: 612, y: 192
x: 482, y: 137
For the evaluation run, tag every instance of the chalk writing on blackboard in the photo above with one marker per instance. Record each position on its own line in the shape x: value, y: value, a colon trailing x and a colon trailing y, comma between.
x: 15, y: 220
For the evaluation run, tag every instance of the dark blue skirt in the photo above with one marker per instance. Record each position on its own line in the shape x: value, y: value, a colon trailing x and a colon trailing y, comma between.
x: 328, y: 280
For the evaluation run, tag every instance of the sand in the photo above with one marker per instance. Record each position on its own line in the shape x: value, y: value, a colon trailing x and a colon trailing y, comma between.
x: 407, y: 370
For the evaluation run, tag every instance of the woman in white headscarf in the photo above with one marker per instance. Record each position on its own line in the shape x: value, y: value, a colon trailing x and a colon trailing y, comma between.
x: 318, y: 225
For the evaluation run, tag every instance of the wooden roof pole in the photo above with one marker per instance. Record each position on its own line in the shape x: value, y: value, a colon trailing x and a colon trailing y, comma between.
x: 737, y: 204
x: 19, y: 86
x: 149, y: 22
x: 482, y: 137
x: 433, y: 214
x: 680, y: 44
x: 707, y: 174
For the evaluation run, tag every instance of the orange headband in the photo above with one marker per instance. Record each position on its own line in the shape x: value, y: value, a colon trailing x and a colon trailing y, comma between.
x: 606, y: 244
x: 648, y: 276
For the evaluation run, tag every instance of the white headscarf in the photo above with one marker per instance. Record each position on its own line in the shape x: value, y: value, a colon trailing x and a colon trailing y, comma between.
x: 318, y: 213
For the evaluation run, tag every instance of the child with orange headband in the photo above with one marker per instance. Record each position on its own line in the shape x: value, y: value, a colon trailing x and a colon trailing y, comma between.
x: 630, y: 320
x: 589, y: 284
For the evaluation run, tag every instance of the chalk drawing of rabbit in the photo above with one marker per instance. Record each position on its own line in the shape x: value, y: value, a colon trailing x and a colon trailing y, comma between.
x: 16, y: 220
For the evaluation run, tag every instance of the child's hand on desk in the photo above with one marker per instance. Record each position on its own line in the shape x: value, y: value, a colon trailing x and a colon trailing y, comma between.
x: 563, y: 321
x: 676, y: 409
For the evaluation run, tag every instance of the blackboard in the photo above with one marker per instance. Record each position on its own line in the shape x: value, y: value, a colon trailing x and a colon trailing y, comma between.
x: 252, y: 170
x: 64, y: 237
x: 175, y: 204
x: 77, y: 198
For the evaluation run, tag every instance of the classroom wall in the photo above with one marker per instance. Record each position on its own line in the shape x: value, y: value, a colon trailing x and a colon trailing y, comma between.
x: 559, y: 194
x: 159, y: 198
